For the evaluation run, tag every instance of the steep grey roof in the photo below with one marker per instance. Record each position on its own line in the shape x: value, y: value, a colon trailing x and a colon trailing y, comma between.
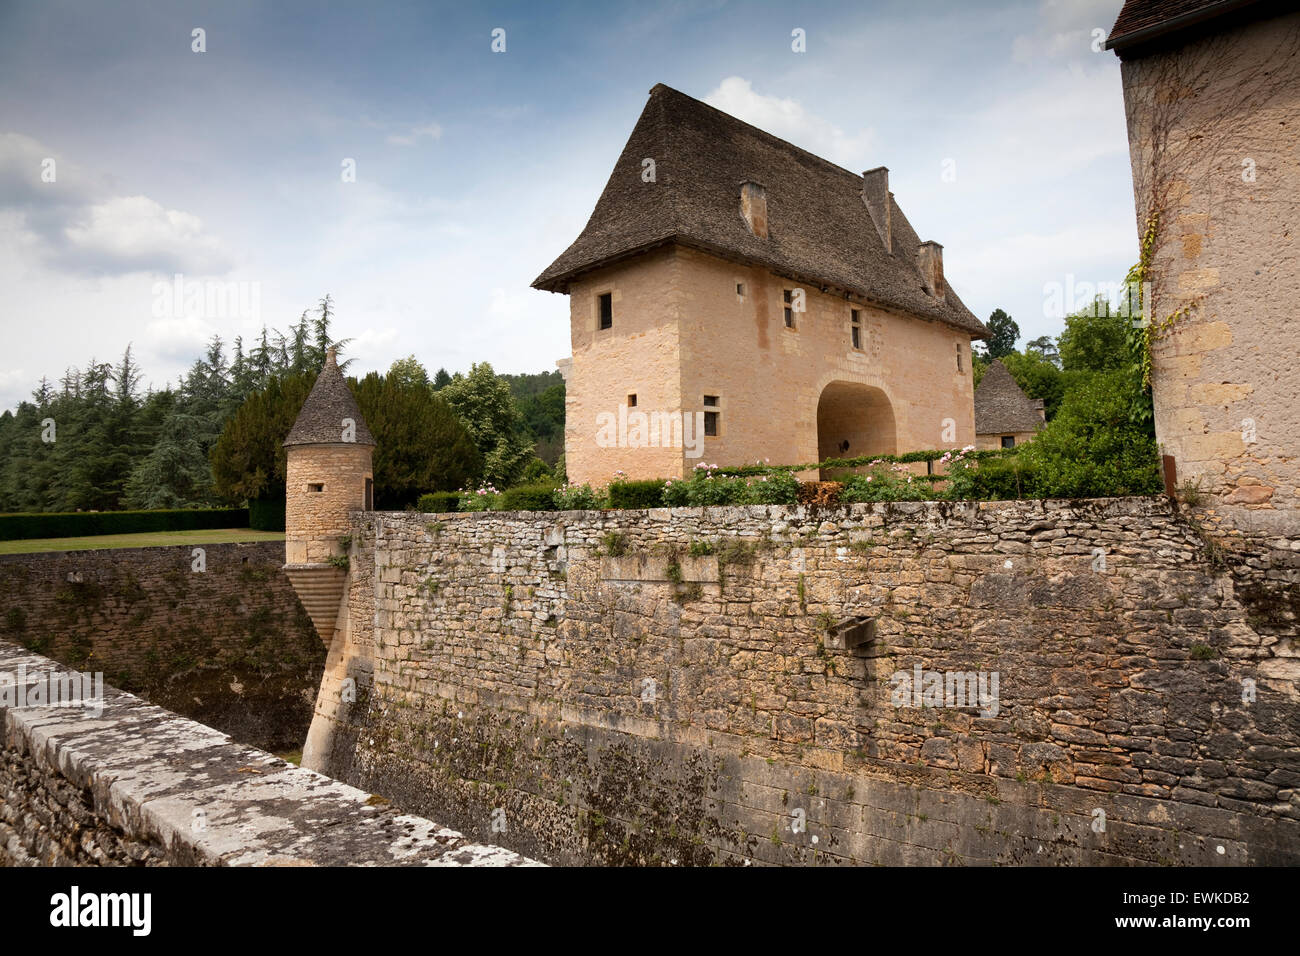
x: 321, y: 420
x: 820, y: 230
x: 1000, y: 405
x: 1144, y: 24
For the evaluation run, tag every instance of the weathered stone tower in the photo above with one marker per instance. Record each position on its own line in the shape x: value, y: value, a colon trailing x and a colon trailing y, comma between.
x: 328, y: 475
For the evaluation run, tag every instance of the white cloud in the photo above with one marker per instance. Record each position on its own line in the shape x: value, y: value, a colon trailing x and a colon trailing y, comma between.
x: 135, y: 233
x: 415, y: 133
x: 788, y: 119
x: 180, y: 339
x: 78, y: 225
x: 1067, y: 29
x: 1024, y: 267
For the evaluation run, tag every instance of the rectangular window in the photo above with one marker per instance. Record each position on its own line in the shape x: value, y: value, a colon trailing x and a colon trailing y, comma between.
x: 959, y: 368
x: 1008, y: 441
x: 606, y: 310
x: 855, y: 327
x: 316, y: 487
x: 789, y: 310
x: 710, y: 417
x: 740, y: 289
x: 631, y: 400
x: 370, y: 494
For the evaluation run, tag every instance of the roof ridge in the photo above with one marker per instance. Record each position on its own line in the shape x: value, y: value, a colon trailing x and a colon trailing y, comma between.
x: 760, y: 131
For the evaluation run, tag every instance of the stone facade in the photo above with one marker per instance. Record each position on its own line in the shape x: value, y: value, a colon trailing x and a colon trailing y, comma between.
x: 682, y: 331
x: 323, y: 484
x: 721, y: 685
x: 228, y: 645
x: 137, y: 786
x: 987, y: 442
x: 713, y: 296
x: 1212, y: 123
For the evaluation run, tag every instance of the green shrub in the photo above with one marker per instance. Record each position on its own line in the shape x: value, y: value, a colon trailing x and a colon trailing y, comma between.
x: 266, y: 514
x: 676, y: 492
x: 438, y: 502
x: 1001, y: 477
x: 637, y: 494
x: 887, y: 482
x: 536, y: 472
x: 1092, y: 449
x: 481, y: 499
x: 88, y: 523
x: 777, y: 488
x: 706, y: 487
x: 538, y: 497
x: 578, y: 498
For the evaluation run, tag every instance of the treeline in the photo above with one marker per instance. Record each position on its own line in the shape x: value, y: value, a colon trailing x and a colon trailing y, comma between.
x: 96, y: 442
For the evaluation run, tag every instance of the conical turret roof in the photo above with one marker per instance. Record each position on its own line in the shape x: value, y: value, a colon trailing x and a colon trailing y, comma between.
x: 321, y: 420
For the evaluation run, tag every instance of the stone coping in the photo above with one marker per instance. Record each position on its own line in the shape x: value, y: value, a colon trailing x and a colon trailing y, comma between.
x: 209, y: 801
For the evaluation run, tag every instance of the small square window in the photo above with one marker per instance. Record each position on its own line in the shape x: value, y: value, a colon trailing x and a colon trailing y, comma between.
x: 711, y: 400
x: 316, y: 487
x: 631, y: 400
x: 1008, y: 441
x: 607, y: 310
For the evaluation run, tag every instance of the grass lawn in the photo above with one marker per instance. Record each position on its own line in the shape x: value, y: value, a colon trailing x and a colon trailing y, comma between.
x: 148, y: 539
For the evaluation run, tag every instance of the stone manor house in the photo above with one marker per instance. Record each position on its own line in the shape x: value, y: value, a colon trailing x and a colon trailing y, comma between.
x: 734, y: 298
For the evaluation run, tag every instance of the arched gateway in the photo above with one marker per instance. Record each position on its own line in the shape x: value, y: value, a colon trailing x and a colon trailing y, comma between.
x: 854, y: 419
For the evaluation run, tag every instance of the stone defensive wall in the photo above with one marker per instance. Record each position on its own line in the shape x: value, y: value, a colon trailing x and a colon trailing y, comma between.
x: 212, y: 631
x: 114, y: 781
x: 1031, y: 682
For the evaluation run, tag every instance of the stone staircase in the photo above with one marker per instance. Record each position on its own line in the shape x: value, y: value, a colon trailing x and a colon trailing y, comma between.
x: 320, y: 589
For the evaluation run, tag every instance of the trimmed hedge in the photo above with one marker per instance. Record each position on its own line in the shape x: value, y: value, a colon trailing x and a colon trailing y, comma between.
x: 438, y: 502
x: 266, y: 514
x: 81, y: 524
x: 637, y: 494
x: 540, y: 497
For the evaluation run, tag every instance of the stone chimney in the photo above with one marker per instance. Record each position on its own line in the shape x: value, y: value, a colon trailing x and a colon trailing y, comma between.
x: 753, y: 208
x: 876, y: 196
x: 929, y: 259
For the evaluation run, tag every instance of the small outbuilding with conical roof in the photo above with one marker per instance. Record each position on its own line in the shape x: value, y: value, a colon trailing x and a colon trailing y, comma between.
x: 328, y: 476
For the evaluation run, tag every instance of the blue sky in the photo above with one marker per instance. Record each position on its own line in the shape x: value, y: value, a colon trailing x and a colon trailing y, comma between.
x: 474, y: 169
